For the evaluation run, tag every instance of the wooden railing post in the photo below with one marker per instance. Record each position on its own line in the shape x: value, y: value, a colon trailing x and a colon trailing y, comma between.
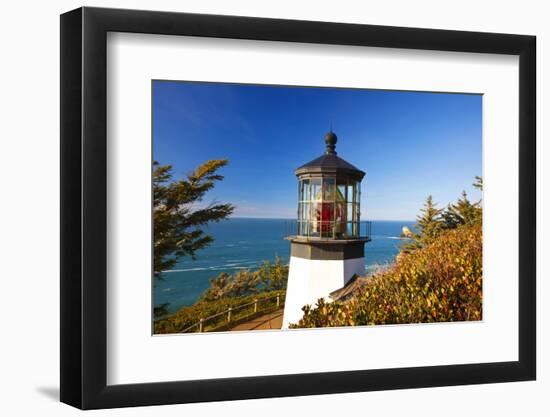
x: 255, y: 305
x: 201, y: 321
x: 229, y: 314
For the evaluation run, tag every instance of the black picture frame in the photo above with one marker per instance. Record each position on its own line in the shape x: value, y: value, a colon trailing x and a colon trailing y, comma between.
x: 84, y: 207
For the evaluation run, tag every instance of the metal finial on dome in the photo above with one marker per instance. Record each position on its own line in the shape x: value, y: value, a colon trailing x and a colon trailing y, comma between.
x: 330, y: 140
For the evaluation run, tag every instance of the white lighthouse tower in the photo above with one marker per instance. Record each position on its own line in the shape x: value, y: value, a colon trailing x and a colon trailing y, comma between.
x: 327, y: 250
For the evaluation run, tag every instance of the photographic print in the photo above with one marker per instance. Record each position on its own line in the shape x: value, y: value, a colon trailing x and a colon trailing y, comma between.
x: 294, y: 207
x: 329, y: 185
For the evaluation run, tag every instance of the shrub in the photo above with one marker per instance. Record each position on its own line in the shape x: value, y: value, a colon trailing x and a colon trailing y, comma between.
x: 271, y: 276
x: 437, y: 283
x: 187, y: 316
x: 230, y: 291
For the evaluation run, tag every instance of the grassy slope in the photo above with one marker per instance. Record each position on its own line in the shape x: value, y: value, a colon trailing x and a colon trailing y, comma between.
x: 188, y: 316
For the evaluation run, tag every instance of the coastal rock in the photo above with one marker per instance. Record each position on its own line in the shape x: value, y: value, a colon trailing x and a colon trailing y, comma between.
x: 406, y: 232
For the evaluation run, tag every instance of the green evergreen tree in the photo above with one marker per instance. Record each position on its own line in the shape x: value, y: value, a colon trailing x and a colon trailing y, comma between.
x: 176, y: 220
x: 478, y: 183
x: 428, y: 223
x: 463, y: 212
x: 428, y: 226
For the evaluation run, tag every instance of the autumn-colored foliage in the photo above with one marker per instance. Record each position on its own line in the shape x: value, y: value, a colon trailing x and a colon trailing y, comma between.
x: 439, y: 282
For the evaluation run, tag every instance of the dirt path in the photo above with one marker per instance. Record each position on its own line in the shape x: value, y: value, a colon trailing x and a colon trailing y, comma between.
x: 269, y: 321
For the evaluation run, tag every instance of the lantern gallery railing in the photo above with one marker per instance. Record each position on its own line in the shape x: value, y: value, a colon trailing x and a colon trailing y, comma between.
x: 235, y: 315
x: 295, y: 228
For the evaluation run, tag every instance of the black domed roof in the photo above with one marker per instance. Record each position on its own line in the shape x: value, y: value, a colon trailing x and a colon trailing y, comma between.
x: 330, y: 163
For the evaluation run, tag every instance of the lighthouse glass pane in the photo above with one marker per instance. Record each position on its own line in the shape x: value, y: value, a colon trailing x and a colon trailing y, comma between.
x: 306, y: 208
x: 341, y: 192
x: 349, y: 230
x: 350, y: 193
x: 339, y: 219
x: 316, y: 207
x: 304, y: 190
x: 302, y: 228
x: 350, y: 216
x: 316, y: 194
x: 329, y: 185
x: 315, y: 224
x: 325, y: 218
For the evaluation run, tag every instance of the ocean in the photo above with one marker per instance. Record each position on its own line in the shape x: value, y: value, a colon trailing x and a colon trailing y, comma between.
x: 243, y: 244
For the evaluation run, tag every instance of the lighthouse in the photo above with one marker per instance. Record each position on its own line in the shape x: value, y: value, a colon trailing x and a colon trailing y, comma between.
x: 328, y: 249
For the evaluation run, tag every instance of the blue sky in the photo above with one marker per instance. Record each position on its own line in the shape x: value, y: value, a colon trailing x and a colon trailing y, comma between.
x: 410, y: 144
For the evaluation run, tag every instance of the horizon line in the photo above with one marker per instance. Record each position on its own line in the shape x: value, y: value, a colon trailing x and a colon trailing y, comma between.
x: 293, y: 218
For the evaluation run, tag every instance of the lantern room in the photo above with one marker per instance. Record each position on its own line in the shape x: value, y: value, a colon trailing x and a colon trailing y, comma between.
x: 329, y: 195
